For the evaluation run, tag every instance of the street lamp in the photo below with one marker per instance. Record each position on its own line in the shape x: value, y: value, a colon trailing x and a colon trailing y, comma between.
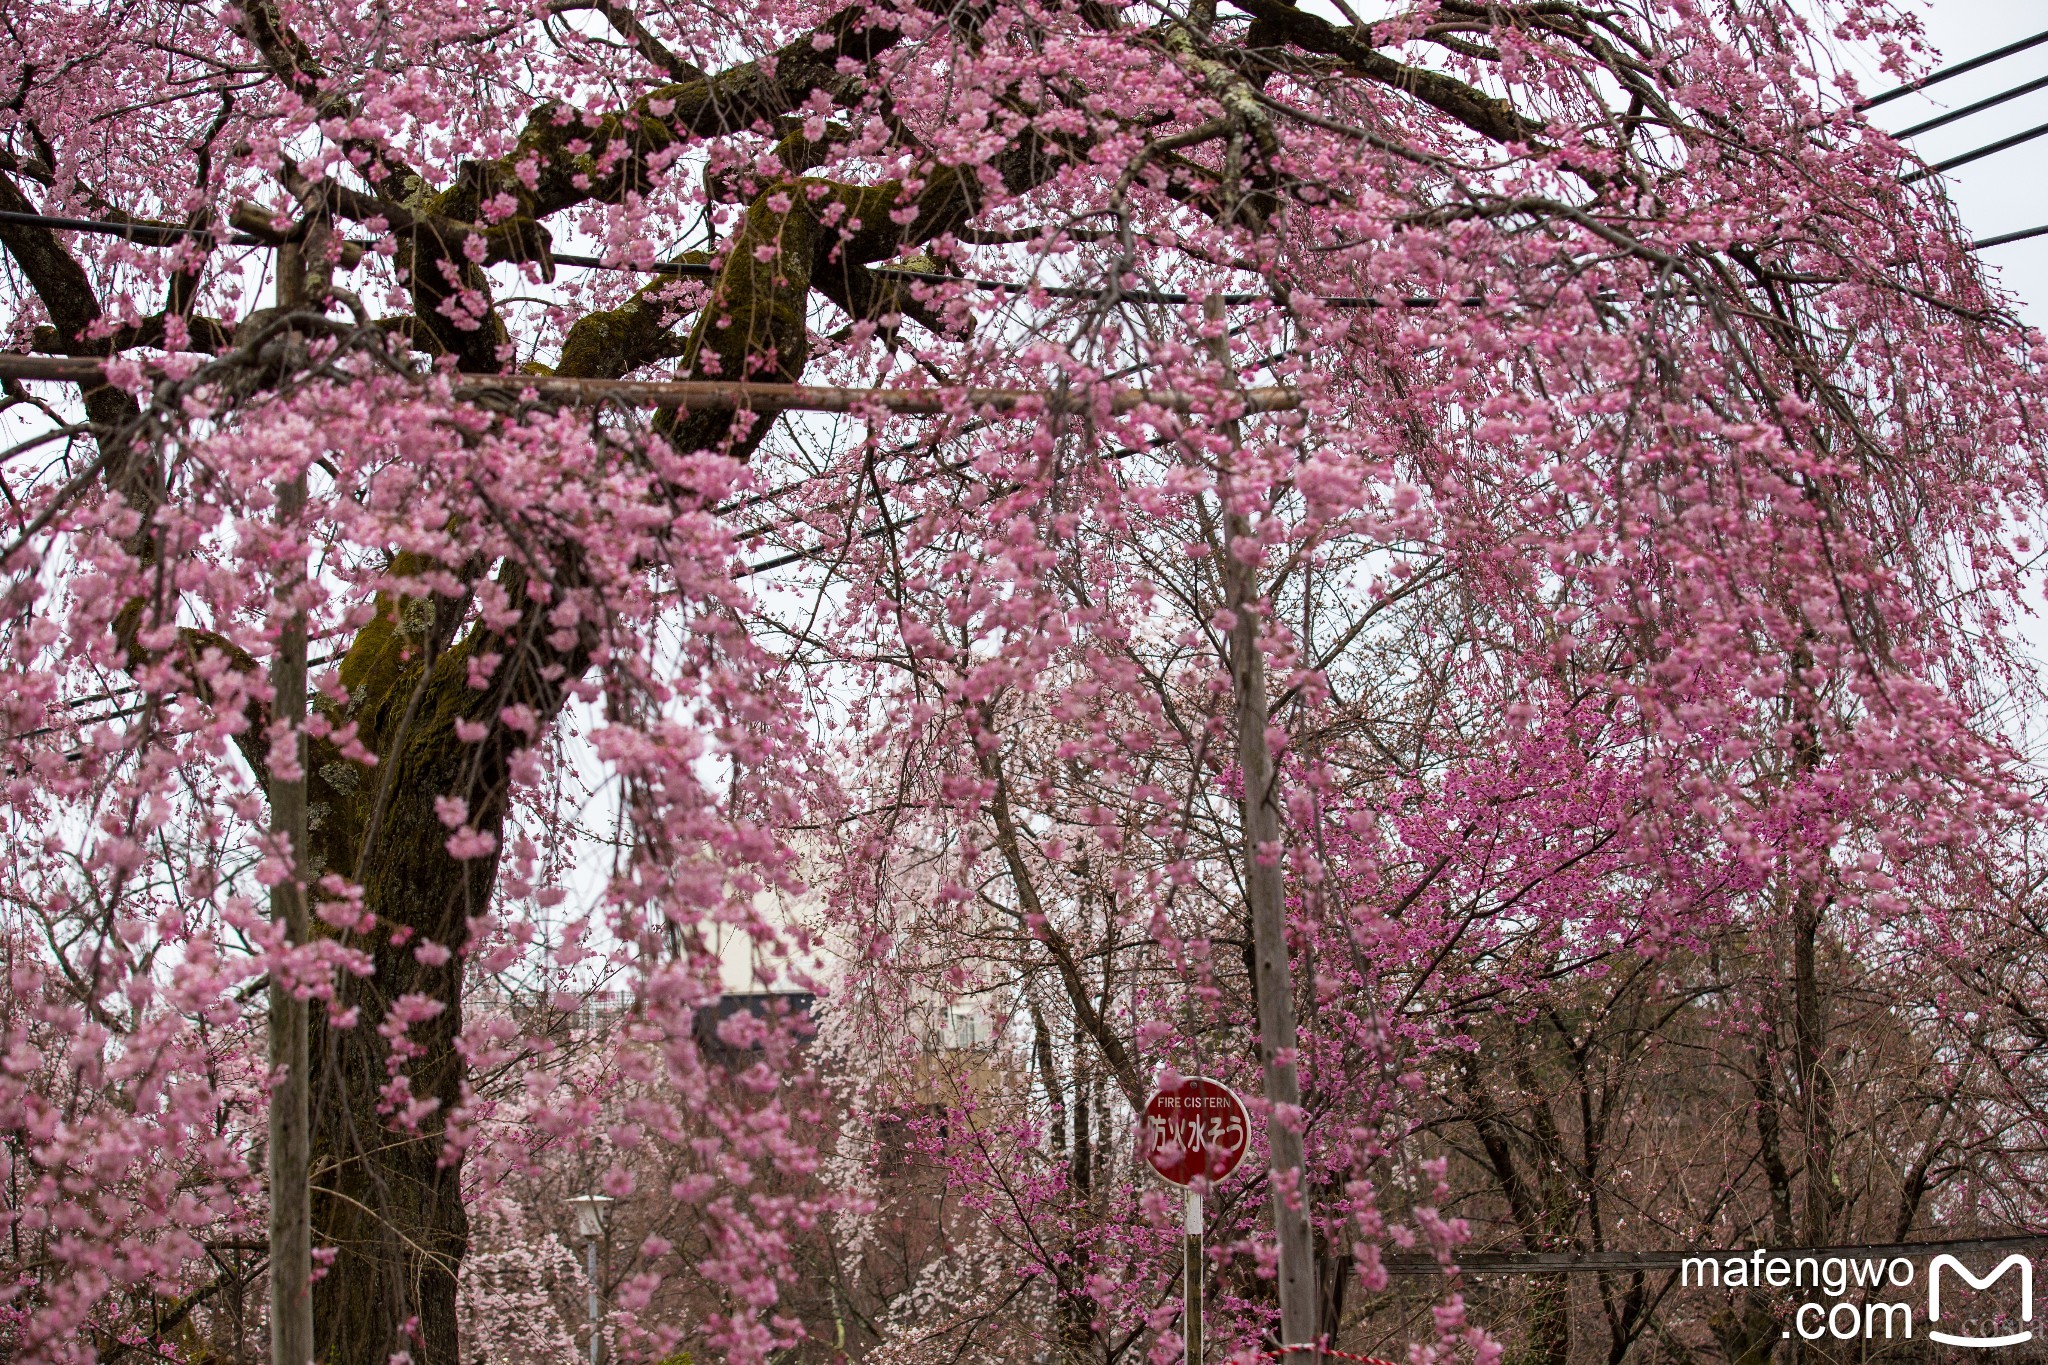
x: 591, y: 1212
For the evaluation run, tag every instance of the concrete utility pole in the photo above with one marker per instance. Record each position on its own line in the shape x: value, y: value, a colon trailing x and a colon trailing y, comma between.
x: 592, y: 1211
x: 1266, y: 893
x: 291, y: 1208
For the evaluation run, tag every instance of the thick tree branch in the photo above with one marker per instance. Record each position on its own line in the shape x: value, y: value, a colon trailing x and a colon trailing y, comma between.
x: 1484, y: 114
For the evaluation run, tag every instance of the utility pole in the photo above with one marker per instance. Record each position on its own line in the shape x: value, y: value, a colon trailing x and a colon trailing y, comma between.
x: 291, y: 1212
x: 1266, y: 893
x: 593, y: 1214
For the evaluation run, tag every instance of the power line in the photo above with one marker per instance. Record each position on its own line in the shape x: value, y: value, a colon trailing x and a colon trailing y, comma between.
x: 1061, y: 291
x: 169, y: 234
x: 1979, y: 107
x: 165, y: 234
x: 1058, y: 291
x: 1977, y: 155
x: 142, y: 234
x: 1947, y: 72
x: 2022, y: 235
x: 740, y: 396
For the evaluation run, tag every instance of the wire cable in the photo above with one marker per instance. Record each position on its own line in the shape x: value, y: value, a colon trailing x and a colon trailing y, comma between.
x: 1946, y: 72
x: 167, y: 234
x: 2022, y: 235
x: 1978, y: 155
x: 164, y: 234
x: 1980, y: 106
x: 142, y: 234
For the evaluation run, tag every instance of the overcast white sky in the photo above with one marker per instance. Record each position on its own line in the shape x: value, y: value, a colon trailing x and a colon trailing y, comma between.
x: 2009, y: 190
x: 2004, y: 192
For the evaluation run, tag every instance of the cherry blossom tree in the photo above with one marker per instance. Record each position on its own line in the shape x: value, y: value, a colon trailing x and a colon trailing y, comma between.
x: 1227, y: 520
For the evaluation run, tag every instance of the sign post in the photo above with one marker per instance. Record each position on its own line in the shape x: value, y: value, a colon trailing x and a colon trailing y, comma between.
x: 1191, y: 1277
x: 1196, y: 1130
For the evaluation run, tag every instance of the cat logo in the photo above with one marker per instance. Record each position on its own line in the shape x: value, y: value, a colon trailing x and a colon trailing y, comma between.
x: 2026, y: 1298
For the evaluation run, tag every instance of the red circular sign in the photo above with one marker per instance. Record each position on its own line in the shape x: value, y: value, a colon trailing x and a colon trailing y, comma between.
x: 1196, y: 1128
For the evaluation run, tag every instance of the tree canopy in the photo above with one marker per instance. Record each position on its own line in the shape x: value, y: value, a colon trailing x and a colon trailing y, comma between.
x: 1458, y: 569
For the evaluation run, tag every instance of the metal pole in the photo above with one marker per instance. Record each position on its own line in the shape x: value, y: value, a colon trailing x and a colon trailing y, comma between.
x: 1191, y: 1277
x: 291, y: 1231
x: 590, y: 1258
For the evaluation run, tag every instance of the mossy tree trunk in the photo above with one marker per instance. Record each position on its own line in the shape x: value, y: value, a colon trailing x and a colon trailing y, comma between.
x: 387, y: 1197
